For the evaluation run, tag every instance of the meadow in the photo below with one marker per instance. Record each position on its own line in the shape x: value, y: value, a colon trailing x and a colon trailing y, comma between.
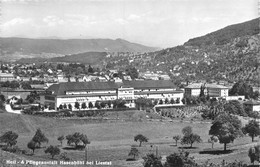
x: 111, y: 140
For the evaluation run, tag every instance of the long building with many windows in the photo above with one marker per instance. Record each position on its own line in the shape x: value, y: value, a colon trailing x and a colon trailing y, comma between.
x: 91, y: 92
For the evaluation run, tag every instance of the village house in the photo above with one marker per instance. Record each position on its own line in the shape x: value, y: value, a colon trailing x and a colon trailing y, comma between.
x: 253, y: 105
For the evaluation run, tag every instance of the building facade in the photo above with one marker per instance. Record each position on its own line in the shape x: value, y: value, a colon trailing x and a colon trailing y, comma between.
x: 213, y: 90
x: 91, y: 92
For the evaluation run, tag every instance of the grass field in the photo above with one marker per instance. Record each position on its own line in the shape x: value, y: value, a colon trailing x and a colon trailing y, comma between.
x: 112, y: 140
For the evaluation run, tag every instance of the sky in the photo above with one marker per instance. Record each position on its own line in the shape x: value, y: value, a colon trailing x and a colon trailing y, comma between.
x: 159, y: 23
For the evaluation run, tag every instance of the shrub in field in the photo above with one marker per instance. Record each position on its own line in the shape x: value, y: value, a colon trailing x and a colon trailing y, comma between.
x: 141, y: 138
x: 180, y: 159
x: 134, y: 152
x: 151, y: 160
x: 64, y: 156
x: 53, y: 150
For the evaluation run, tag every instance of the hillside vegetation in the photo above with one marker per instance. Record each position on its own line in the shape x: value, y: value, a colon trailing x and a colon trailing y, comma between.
x: 230, y: 54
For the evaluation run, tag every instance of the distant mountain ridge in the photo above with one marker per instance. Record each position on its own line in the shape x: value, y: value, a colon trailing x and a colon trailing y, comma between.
x: 69, y: 46
x: 223, y: 36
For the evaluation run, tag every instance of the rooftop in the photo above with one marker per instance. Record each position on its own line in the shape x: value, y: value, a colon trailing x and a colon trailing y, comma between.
x: 61, y: 88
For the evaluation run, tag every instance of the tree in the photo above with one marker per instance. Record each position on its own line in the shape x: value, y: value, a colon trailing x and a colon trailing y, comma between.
x: 180, y: 159
x: 70, y: 106
x: 256, y: 95
x: 61, y: 107
x: 177, y: 100
x: 119, y: 103
x: 90, y: 105
x: 90, y: 69
x: 234, y: 107
x: 252, y: 129
x: 187, y: 130
x: 76, y: 138
x: 212, y: 140
x: 176, y: 138
x: 134, y: 152
x: 172, y: 101
x: 65, y: 106
x: 132, y: 71
x: 150, y: 160
x: 10, y: 138
x: 39, y: 138
x: 84, y: 140
x: 61, y: 138
x: 102, y: 104
x: 242, y: 88
x: 32, y: 145
x: 160, y: 101
x: 141, y: 138
x: 83, y: 105
x: 202, y: 88
x: 53, y: 150
x: 226, y: 128
x: 190, y: 139
x: 97, y: 105
x: 166, y: 101
x: 76, y: 105
x: 254, y: 153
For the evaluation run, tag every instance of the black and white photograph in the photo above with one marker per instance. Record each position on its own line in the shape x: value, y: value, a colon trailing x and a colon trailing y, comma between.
x: 130, y: 83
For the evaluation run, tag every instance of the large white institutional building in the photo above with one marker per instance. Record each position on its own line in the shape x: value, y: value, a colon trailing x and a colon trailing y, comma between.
x: 86, y: 92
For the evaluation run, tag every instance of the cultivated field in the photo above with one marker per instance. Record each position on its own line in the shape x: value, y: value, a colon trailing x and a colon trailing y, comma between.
x: 111, y: 140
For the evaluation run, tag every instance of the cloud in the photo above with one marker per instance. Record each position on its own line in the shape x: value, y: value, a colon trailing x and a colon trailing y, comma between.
x: 16, y: 21
x: 134, y: 17
x: 53, y: 20
x: 121, y: 21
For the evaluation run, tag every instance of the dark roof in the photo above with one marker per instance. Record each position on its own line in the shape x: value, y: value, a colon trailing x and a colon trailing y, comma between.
x: 61, y: 88
x: 252, y: 102
x: 150, y: 84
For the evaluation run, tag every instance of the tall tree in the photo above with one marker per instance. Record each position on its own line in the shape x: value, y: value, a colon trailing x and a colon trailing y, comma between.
x: 40, y: 138
x: 141, y: 138
x: 242, y: 88
x: 252, y: 129
x: 227, y: 128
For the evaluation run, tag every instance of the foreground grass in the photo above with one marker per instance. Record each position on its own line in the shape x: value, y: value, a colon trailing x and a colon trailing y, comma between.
x: 111, y: 141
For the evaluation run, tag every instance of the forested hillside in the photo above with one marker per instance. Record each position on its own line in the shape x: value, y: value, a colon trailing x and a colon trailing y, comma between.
x: 230, y: 54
